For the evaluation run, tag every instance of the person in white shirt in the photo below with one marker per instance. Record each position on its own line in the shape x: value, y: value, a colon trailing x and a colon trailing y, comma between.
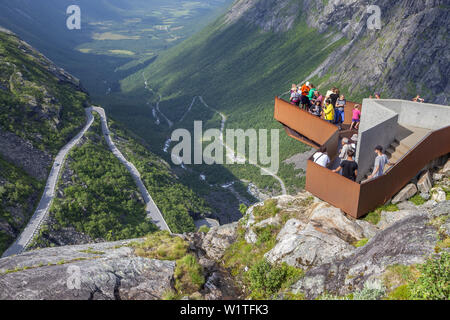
x: 321, y: 157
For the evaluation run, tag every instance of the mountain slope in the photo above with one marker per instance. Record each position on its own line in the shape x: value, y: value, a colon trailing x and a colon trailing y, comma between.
x: 258, y: 48
x: 42, y: 108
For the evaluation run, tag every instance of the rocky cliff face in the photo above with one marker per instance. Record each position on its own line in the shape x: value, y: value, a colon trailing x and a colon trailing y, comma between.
x: 106, y: 271
x: 407, y: 56
x: 113, y: 271
x: 406, y: 242
x: 317, y: 238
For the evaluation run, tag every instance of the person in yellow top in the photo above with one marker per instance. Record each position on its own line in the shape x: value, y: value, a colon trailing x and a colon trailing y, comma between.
x: 328, y: 111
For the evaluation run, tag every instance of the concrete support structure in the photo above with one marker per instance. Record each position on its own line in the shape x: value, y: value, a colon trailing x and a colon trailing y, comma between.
x: 378, y: 127
x: 386, y: 120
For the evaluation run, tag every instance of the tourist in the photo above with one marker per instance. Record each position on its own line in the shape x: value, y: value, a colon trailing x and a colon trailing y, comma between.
x: 312, y: 91
x: 304, y: 98
x: 356, y: 118
x: 340, y: 110
x: 328, y: 112
x: 321, y: 157
x: 377, y: 95
x: 294, y: 87
x: 380, y: 162
x: 418, y: 99
x: 295, y: 97
x: 318, y: 97
x: 344, y: 150
x: 316, y: 108
x: 349, y: 167
x: 354, y: 140
x: 334, y: 97
x: 329, y: 93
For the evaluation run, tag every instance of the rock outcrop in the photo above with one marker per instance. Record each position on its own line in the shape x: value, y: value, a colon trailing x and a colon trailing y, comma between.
x: 408, y: 241
x: 316, y: 232
x: 107, y: 271
x: 16, y: 150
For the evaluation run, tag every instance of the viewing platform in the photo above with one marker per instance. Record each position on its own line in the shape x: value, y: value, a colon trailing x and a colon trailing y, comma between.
x: 413, y: 135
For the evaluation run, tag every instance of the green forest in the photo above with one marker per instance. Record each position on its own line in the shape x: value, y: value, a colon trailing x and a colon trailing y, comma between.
x: 18, y: 193
x: 34, y: 104
x: 101, y: 200
x: 176, y: 201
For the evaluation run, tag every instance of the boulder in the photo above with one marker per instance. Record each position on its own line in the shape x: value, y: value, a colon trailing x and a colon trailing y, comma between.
x: 292, y: 227
x: 407, y: 192
x: 446, y: 170
x: 107, y: 271
x: 425, y: 183
x: 328, y: 234
x: 438, y: 176
x: 251, y: 236
x: 331, y: 220
x: 408, y: 241
x: 438, y: 195
x: 308, y: 248
x: 218, y: 239
x: 389, y: 218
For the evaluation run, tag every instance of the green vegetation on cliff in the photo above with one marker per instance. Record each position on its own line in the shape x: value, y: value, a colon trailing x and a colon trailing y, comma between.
x: 18, y: 193
x: 246, y: 262
x: 35, y: 104
x: 188, y: 275
x: 100, y: 198
x: 176, y: 201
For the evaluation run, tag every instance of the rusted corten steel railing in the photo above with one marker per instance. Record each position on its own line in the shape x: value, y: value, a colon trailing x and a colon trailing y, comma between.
x: 311, y: 130
x: 378, y: 191
x: 353, y: 198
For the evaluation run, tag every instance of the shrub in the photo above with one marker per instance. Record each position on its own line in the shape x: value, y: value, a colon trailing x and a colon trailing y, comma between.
x: 243, y: 208
x: 266, y: 280
x: 361, y: 243
x: 371, y: 291
x: 294, y: 296
x: 267, y: 236
x: 188, y: 275
x: 171, y: 295
x: 162, y: 246
x: 397, y: 275
x: 417, y: 200
x: 269, y: 209
x: 240, y: 255
x: 434, y: 280
x: 400, y: 293
x: 375, y: 216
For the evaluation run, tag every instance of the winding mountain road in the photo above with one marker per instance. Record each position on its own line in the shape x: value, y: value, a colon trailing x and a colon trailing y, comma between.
x: 169, y: 122
x: 41, y: 213
x: 151, y: 208
x: 240, y: 157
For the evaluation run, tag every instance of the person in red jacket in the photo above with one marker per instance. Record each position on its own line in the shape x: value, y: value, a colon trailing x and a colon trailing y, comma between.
x: 305, y: 92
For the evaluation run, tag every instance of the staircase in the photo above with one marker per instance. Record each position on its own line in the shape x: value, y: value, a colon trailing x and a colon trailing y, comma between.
x: 407, y: 137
